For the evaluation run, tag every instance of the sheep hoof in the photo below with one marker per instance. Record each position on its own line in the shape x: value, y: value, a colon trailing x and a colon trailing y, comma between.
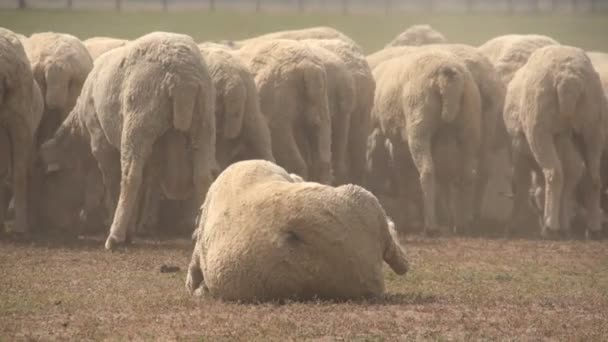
x: 111, y: 243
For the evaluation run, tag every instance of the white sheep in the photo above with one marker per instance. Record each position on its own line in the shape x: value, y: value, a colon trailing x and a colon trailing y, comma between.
x: 266, y: 235
x: 554, y: 102
x: 147, y: 113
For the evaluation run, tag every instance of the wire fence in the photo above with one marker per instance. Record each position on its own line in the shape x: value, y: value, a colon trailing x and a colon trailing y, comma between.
x: 341, y: 6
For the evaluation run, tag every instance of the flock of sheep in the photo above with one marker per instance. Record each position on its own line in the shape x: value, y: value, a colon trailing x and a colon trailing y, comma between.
x: 263, y: 140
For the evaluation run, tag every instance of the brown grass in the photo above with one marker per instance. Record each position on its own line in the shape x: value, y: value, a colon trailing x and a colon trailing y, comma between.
x: 458, y: 289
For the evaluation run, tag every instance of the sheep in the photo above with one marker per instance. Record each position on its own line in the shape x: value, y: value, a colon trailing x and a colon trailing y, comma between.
x: 554, y: 102
x: 20, y: 112
x: 241, y: 129
x: 146, y: 117
x: 365, y: 86
x: 600, y: 63
x: 265, y: 235
x: 389, y: 53
x: 292, y: 85
x: 418, y: 35
x: 60, y: 63
x: 492, y: 92
x: 341, y: 95
x: 510, y: 52
x: 428, y: 106
x: 317, y: 32
x: 99, y: 45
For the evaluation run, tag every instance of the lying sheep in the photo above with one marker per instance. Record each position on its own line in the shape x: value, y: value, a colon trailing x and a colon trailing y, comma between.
x: 365, y: 86
x: 418, y: 35
x: 554, y: 102
x: 151, y: 126
x: 341, y: 95
x: 20, y: 113
x: 425, y: 100
x: 60, y: 63
x: 99, y: 45
x: 292, y: 86
x: 510, y: 52
x: 264, y: 235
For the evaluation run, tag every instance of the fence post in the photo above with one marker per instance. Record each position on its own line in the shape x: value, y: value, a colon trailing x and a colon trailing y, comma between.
x: 510, y: 8
x: 300, y: 6
x: 69, y: 4
x: 388, y: 4
x: 212, y: 5
x: 165, y: 5
x: 258, y: 6
x: 118, y: 5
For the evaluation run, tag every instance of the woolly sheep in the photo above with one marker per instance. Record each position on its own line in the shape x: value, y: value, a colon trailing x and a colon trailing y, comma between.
x: 418, y: 35
x: 99, y: 45
x: 20, y: 112
x: 292, y: 86
x: 365, y: 86
x: 510, y: 52
x: 60, y: 63
x: 264, y: 235
x: 341, y: 95
x: 317, y: 32
x: 600, y: 63
x: 151, y: 126
x: 492, y: 93
x: 241, y: 129
x: 553, y: 102
x: 420, y: 97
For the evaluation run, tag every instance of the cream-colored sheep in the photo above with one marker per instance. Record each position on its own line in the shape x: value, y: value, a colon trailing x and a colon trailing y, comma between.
x: 555, y: 101
x: 365, y: 86
x: 20, y: 113
x: 147, y: 111
x: 341, y: 96
x: 241, y: 128
x: 510, y: 52
x: 426, y: 102
x: 99, y: 45
x: 600, y: 63
x: 418, y: 35
x: 389, y: 53
x: 264, y: 235
x: 60, y: 63
x: 492, y: 92
x: 292, y: 85
x: 317, y: 32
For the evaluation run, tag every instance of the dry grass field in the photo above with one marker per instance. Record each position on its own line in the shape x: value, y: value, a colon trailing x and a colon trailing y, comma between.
x: 458, y: 289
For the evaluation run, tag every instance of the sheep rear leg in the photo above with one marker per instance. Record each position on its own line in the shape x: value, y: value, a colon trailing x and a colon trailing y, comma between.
x: 543, y: 148
x: 132, y: 176
x: 420, y: 149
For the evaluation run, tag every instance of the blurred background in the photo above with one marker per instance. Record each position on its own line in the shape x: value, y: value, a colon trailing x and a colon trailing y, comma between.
x: 372, y: 23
